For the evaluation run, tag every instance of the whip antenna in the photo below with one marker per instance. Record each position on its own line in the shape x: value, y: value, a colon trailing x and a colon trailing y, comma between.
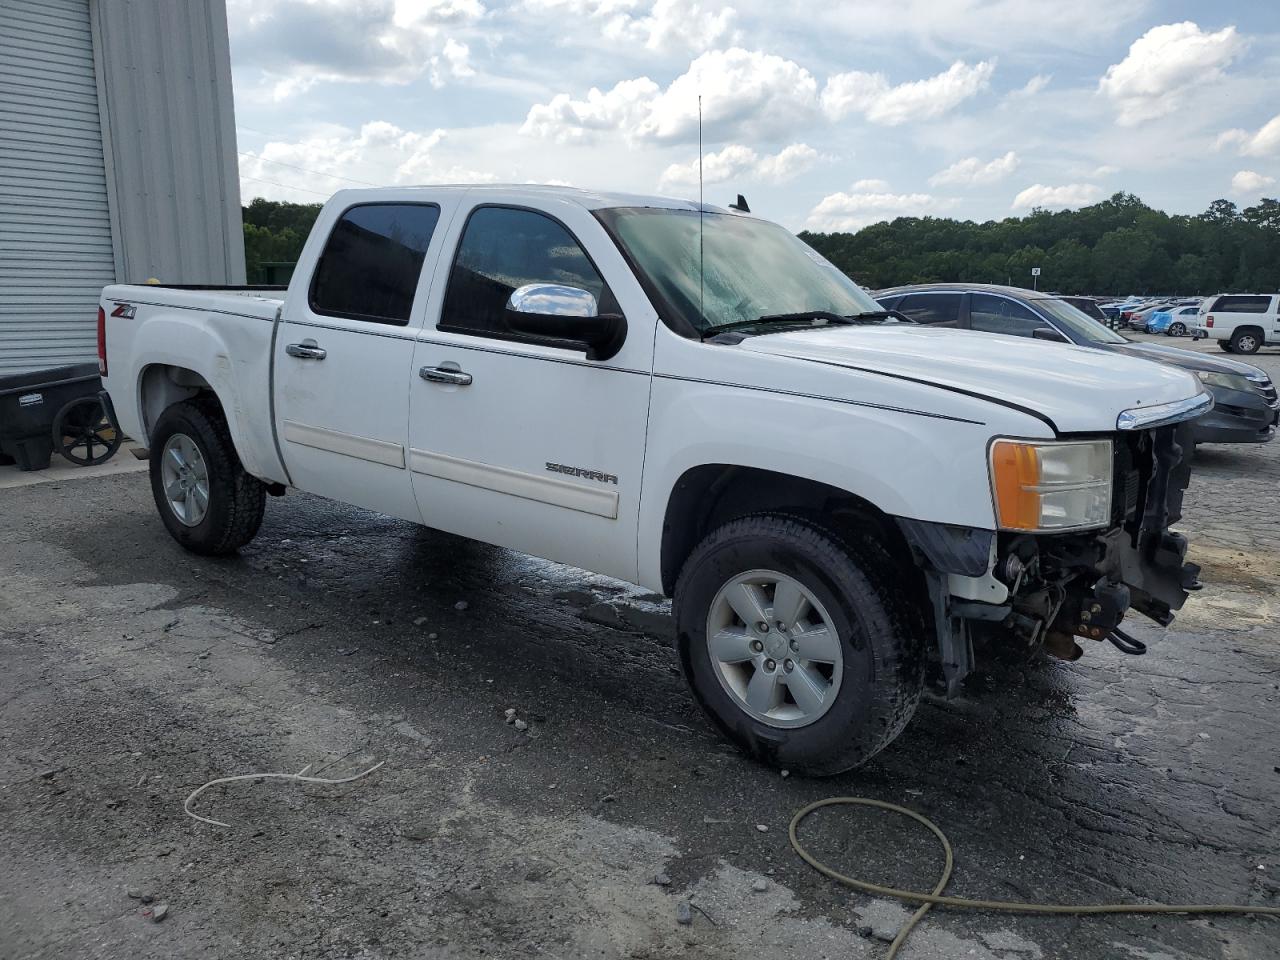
x: 701, y: 215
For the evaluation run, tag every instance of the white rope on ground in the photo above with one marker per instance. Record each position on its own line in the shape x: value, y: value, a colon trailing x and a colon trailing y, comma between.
x: 299, y: 777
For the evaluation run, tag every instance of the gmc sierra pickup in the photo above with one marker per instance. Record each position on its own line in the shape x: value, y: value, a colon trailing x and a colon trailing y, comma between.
x: 691, y: 399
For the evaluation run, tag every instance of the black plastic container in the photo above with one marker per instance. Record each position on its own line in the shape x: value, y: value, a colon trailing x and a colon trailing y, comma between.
x: 28, y: 404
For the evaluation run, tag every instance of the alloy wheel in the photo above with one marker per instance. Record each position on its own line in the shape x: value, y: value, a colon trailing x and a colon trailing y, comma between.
x: 185, y: 477
x: 774, y: 648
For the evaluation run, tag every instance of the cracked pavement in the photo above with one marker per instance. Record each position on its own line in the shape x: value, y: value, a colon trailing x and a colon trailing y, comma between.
x: 134, y: 673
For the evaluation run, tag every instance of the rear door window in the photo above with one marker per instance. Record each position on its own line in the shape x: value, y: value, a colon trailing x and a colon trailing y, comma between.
x: 369, y: 267
x: 1243, y: 304
x: 939, y: 309
x: 1001, y: 315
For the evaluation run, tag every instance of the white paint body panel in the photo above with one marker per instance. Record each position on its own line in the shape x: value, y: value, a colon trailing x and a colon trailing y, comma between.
x: 899, y: 417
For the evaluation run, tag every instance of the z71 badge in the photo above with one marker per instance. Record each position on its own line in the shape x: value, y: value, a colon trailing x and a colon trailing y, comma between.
x: 126, y: 310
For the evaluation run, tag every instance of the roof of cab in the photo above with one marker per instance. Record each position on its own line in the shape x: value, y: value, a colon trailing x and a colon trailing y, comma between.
x: 514, y: 192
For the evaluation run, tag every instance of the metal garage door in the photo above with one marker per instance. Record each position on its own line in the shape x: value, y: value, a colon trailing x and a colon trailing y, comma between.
x: 55, y: 236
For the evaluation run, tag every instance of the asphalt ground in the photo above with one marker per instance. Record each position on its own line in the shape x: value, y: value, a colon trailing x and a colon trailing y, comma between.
x: 132, y: 673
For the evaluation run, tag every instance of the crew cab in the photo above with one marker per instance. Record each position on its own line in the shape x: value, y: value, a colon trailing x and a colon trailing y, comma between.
x: 1240, y: 322
x: 691, y: 399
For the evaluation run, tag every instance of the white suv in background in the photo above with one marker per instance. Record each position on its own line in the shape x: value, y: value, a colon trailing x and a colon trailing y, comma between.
x: 1240, y: 322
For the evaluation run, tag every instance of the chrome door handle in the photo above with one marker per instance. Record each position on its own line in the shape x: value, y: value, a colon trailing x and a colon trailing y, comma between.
x: 306, y: 350
x: 445, y: 375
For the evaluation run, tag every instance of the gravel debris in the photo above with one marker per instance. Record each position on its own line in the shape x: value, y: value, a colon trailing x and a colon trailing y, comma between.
x: 684, y: 913
x: 461, y: 605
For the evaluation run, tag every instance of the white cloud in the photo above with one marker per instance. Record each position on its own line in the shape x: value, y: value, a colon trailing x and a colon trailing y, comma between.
x: 971, y: 170
x: 1070, y: 195
x: 1106, y: 170
x: 1163, y: 66
x: 871, y: 186
x: 663, y: 25
x: 851, y: 211
x: 297, y: 44
x: 739, y: 162
x: 1262, y: 143
x: 1247, y: 183
x: 1032, y: 86
x: 872, y: 95
x: 380, y: 153
x: 744, y: 93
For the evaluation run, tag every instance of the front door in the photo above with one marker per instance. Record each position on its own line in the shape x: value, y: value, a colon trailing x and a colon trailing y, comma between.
x: 344, y: 355
x: 517, y: 440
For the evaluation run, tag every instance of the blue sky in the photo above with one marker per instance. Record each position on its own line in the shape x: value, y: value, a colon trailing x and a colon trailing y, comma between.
x: 826, y: 115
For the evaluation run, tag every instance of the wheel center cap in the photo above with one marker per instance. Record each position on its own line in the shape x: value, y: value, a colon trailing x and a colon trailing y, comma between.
x: 775, y: 644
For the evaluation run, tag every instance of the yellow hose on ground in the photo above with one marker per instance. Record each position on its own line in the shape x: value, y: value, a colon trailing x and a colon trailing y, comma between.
x: 935, y: 897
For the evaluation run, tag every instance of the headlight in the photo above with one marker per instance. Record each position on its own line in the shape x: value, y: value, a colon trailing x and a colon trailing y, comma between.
x: 1051, y: 486
x: 1228, y: 381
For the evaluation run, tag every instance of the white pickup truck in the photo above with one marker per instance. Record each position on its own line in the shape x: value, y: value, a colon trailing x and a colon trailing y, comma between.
x: 690, y: 399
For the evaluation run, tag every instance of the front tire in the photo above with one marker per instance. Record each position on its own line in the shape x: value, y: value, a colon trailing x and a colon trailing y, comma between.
x: 207, y: 501
x: 801, y: 648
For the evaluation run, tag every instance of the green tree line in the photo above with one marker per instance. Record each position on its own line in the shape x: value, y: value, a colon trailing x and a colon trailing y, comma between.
x: 274, y: 233
x: 1118, y: 246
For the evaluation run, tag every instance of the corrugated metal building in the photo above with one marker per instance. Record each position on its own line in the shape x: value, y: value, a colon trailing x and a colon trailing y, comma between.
x: 117, y: 162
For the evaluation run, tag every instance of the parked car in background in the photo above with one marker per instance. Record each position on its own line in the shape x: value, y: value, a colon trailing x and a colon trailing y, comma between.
x: 1139, y: 316
x: 1173, y: 321
x: 1240, y: 322
x: 1246, y: 406
x: 833, y: 498
x: 1089, y: 306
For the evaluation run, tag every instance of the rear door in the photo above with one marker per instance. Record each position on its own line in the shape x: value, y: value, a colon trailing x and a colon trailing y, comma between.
x: 344, y: 354
x: 534, y: 446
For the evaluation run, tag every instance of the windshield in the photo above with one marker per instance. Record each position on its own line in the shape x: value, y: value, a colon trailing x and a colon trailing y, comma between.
x: 752, y: 268
x: 1079, y: 325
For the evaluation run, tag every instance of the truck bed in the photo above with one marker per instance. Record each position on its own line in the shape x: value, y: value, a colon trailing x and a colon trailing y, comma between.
x: 256, y: 302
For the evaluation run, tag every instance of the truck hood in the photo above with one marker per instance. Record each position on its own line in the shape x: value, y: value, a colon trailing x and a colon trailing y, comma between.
x: 1076, y: 389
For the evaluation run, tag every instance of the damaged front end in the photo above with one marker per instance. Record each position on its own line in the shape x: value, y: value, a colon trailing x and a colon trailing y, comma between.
x: 1045, y: 590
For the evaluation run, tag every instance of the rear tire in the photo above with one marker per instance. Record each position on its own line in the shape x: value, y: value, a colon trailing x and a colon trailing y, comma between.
x: 869, y: 693
x: 1177, y: 329
x: 1246, y: 341
x: 1225, y: 347
x: 207, y: 501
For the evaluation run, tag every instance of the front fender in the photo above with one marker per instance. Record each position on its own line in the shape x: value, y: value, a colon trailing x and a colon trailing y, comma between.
x: 907, y: 464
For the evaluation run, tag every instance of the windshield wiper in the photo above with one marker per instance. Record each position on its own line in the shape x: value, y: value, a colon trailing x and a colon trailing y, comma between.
x: 803, y: 316
x: 807, y: 316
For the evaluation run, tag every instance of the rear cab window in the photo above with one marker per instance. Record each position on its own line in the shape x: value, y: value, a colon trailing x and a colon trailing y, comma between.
x: 371, y: 263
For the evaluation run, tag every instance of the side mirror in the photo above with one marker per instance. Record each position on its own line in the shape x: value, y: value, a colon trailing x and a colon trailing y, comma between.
x: 562, y: 312
x: 1050, y: 334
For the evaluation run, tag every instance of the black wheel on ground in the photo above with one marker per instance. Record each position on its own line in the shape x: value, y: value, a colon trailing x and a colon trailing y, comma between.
x: 207, y: 501
x: 82, y: 432
x: 1225, y: 346
x: 1246, y: 340
x: 800, y: 646
x: 1177, y: 329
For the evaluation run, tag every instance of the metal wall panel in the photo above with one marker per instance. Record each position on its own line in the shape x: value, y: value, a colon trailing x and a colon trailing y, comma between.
x: 56, y: 251
x: 164, y: 84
